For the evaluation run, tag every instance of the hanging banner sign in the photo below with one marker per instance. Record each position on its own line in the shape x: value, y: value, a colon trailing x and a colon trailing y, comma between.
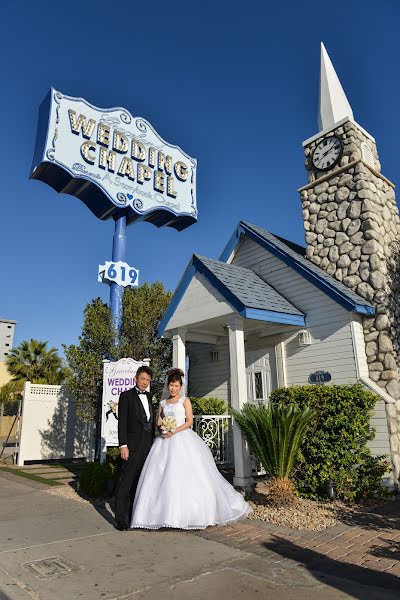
x: 117, y: 378
x: 114, y: 162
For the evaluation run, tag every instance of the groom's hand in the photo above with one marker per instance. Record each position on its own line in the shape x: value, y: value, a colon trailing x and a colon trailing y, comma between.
x: 124, y: 452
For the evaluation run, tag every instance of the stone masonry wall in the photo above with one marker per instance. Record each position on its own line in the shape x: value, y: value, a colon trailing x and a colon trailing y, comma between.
x: 352, y: 229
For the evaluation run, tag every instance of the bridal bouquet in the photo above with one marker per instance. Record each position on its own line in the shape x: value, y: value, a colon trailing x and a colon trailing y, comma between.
x: 168, y: 424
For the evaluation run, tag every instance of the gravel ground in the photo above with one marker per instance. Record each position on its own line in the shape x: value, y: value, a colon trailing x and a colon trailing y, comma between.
x: 302, y: 515
x: 67, y: 492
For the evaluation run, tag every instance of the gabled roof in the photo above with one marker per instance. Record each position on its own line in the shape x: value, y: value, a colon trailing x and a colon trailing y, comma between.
x: 246, y: 286
x: 333, y: 288
x: 245, y: 291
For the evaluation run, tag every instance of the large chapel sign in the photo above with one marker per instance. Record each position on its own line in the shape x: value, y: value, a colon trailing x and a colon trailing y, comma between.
x: 113, y: 162
x: 120, y: 167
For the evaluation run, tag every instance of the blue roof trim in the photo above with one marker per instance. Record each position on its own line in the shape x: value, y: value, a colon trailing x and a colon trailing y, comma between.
x: 298, y: 265
x: 273, y: 317
x: 364, y: 309
x: 232, y: 243
x: 177, y: 297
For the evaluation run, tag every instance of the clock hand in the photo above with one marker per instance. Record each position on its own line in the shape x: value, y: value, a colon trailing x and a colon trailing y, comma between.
x: 327, y: 152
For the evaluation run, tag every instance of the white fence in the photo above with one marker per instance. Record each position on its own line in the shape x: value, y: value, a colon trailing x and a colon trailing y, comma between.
x: 50, y: 426
x: 216, y: 432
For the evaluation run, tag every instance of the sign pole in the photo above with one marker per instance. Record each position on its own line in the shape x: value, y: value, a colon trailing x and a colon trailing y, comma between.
x: 117, y: 291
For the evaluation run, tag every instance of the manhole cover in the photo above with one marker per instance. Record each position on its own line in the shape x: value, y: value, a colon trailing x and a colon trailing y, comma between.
x: 54, y: 566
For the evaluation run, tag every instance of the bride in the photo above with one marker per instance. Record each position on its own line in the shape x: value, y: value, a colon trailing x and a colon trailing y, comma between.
x: 180, y: 485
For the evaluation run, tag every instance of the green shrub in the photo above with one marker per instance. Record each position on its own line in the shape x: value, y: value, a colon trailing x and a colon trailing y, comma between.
x: 364, y: 481
x: 93, y: 478
x: 336, y: 444
x: 113, y: 456
x: 275, y: 434
x: 208, y: 406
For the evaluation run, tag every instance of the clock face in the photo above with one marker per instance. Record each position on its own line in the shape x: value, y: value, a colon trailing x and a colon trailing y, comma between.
x: 327, y: 153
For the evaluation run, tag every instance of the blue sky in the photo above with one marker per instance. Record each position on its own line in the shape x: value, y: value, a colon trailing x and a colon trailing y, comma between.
x: 234, y: 84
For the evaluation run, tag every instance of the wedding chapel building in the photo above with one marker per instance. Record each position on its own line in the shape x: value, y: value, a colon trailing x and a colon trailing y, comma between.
x: 270, y: 313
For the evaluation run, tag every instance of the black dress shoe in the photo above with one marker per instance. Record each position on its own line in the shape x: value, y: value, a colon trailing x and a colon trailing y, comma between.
x: 121, y: 527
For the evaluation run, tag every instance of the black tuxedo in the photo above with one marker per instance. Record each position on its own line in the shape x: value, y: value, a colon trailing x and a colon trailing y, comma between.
x: 137, y: 433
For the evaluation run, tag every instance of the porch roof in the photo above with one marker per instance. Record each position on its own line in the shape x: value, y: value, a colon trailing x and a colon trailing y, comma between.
x: 243, y: 289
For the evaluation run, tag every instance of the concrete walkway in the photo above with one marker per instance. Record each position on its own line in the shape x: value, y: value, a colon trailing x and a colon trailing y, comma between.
x: 58, y: 549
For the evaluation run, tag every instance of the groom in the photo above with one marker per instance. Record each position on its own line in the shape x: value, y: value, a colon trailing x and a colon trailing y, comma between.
x: 136, y: 429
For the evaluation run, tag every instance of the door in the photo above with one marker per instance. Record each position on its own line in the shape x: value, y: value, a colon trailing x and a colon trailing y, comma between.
x: 260, y: 374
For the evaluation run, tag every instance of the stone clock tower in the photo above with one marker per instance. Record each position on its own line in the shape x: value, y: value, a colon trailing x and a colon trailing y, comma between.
x: 353, y: 228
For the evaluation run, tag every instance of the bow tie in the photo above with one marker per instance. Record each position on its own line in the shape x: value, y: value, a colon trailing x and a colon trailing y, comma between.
x: 140, y: 391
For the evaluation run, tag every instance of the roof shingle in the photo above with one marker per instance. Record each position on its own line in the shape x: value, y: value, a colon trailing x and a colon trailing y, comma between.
x: 248, y: 287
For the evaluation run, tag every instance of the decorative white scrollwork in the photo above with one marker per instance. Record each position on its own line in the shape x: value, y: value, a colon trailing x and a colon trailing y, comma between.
x: 121, y: 198
x: 50, y: 152
x: 141, y: 125
x: 125, y: 118
x: 216, y: 432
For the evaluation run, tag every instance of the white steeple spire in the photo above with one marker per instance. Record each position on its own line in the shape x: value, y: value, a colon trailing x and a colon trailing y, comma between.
x: 333, y: 104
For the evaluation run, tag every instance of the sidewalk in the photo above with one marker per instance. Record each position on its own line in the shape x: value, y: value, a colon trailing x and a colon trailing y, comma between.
x: 367, y: 552
x: 58, y: 549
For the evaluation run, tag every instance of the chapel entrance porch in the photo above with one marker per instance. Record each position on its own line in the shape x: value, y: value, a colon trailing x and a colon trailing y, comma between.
x: 239, y: 360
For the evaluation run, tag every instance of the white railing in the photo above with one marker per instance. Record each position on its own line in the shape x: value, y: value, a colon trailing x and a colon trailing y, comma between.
x: 216, y: 432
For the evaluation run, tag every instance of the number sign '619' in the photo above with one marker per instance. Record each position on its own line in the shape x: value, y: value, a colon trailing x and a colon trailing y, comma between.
x: 118, y: 272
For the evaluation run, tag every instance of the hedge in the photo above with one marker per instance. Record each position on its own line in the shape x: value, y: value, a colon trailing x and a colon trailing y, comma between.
x: 336, y: 445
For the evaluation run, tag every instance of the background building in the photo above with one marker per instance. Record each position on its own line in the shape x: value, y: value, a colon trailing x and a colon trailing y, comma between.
x: 6, y: 343
x: 6, y: 337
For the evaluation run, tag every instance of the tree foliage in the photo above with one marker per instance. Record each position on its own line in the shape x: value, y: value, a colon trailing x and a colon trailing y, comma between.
x: 143, y: 308
x: 85, y: 359
x: 33, y: 361
x: 30, y: 361
x: 10, y: 395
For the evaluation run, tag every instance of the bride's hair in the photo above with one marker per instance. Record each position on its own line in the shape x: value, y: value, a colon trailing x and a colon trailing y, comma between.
x: 175, y: 375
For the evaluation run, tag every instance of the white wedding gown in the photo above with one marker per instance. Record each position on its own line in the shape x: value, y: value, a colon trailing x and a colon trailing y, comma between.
x: 180, y: 485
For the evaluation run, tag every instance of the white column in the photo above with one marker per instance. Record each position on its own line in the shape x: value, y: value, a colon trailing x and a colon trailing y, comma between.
x: 238, y: 398
x: 280, y: 364
x: 179, y: 355
x: 179, y: 349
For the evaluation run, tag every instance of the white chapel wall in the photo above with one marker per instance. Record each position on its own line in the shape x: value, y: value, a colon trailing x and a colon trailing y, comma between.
x: 207, y: 377
x: 329, y: 324
x: 338, y: 340
x: 200, y: 302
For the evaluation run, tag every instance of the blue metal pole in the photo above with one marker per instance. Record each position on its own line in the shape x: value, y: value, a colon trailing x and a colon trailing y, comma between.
x: 117, y: 291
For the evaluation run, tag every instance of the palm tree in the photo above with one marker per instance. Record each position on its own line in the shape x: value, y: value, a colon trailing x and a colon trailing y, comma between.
x: 275, y: 434
x: 32, y: 361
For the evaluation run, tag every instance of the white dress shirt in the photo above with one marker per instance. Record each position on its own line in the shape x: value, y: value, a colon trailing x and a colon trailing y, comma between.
x: 145, y: 404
